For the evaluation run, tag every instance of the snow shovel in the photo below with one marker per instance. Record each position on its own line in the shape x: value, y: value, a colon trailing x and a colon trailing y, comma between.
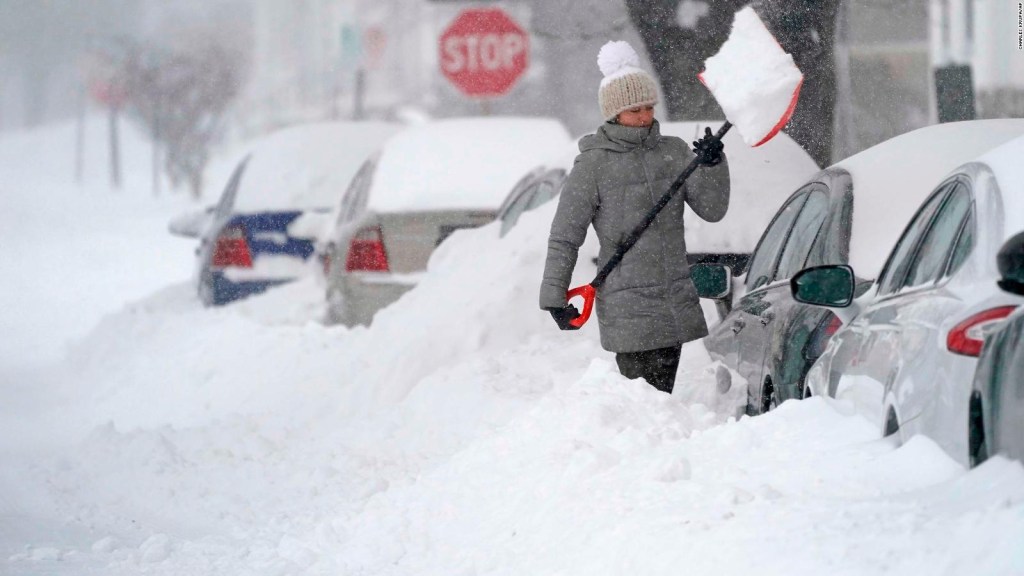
x: 757, y: 85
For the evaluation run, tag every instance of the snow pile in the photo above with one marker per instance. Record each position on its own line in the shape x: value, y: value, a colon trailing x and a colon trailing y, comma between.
x: 478, y: 298
x: 461, y: 433
x: 754, y: 81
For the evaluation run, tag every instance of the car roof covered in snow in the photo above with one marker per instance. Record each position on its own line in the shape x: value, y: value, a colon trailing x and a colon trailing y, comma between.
x: 307, y: 166
x: 465, y: 163
x: 1007, y: 166
x: 760, y: 180
x: 892, y: 179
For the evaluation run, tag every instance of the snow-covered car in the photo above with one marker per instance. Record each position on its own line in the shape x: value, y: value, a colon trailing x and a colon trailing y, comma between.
x: 426, y: 183
x: 909, y: 345
x: 996, y: 414
x: 262, y: 231
x: 850, y: 213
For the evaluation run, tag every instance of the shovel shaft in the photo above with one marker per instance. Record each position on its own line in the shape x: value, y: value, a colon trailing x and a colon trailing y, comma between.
x: 634, y: 236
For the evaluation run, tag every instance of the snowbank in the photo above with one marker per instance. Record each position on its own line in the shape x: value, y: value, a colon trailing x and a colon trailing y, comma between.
x: 460, y: 433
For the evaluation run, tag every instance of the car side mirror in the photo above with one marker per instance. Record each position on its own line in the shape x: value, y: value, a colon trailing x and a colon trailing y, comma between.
x: 190, y: 224
x: 712, y: 281
x: 1010, y: 260
x: 827, y: 286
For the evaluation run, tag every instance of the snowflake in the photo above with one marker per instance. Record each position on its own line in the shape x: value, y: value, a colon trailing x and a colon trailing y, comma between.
x: 690, y: 12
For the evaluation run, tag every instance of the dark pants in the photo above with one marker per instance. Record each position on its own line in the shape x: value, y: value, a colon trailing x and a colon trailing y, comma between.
x: 658, y: 366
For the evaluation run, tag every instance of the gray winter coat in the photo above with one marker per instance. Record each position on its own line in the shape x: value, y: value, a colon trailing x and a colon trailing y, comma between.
x: 648, y: 301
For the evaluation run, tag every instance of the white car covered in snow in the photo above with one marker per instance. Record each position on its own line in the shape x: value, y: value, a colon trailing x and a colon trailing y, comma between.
x: 426, y: 183
x: 909, y: 346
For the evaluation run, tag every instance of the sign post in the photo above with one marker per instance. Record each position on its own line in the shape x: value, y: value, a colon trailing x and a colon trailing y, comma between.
x: 484, y: 52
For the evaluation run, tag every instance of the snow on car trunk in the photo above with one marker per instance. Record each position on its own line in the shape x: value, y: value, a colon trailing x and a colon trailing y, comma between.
x: 308, y: 166
x: 467, y: 163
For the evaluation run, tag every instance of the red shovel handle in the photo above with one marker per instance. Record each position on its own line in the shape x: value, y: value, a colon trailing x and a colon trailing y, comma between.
x: 588, y: 293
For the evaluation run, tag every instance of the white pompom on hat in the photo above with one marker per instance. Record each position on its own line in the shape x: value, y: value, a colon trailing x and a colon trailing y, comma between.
x: 625, y: 85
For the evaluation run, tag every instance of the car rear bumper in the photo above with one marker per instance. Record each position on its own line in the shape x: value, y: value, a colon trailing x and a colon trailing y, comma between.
x: 217, y: 289
x: 358, y: 297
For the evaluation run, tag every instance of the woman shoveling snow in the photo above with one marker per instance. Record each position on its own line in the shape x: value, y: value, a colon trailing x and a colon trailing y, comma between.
x: 648, y: 306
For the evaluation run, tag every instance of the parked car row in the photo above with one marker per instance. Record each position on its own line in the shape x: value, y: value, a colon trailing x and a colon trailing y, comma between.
x: 837, y: 299
x: 367, y: 201
x: 263, y: 230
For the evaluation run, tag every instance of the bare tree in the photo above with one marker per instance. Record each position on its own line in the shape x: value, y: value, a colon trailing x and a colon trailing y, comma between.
x: 181, y: 97
x: 681, y: 34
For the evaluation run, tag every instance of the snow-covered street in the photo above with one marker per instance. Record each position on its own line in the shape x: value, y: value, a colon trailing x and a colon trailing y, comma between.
x: 460, y: 434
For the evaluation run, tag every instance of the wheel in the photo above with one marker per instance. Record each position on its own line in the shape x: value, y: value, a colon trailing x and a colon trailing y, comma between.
x: 977, y: 442
x: 768, y: 399
x: 892, y: 423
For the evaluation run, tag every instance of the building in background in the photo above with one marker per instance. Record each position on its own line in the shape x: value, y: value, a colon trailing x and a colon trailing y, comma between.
x: 997, y: 57
x: 324, y: 59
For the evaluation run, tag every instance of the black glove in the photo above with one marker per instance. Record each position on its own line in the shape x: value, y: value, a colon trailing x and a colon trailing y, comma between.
x: 708, y: 149
x: 563, y: 315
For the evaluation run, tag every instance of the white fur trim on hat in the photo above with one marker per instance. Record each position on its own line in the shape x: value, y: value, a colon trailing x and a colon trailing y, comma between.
x: 625, y: 85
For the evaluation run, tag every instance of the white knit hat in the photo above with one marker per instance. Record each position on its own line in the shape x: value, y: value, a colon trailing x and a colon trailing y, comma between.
x: 625, y: 84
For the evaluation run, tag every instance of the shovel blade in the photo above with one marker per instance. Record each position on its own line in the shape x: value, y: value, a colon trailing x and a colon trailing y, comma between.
x: 754, y: 80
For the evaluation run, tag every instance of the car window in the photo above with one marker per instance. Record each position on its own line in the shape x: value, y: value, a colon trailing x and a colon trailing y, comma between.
x: 517, y: 191
x: 801, y: 238
x: 899, y: 259
x: 355, y: 196
x: 930, y: 260
x: 545, y: 191
x: 227, y: 199
x: 964, y: 245
x: 516, y: 207
x: 762, y: 263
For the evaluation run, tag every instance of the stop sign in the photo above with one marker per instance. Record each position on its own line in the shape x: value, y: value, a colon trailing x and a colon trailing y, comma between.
x: 484, y: 52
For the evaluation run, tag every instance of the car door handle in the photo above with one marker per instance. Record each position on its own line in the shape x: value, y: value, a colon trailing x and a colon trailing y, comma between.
x: 767, y: 318
x: 737, y: 326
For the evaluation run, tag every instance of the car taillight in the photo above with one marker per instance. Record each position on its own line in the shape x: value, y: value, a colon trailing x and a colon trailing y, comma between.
x: 232, y: 250
x: 366, y: 252
x: 968, y: 337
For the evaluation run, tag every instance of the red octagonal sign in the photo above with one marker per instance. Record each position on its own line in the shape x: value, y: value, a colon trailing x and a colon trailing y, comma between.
x: 484, y: 52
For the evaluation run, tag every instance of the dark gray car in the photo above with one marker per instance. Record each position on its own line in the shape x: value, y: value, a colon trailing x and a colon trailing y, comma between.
x: 996, y: 415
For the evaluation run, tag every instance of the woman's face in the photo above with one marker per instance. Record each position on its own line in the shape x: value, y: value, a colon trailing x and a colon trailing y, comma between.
x: 639, y: 117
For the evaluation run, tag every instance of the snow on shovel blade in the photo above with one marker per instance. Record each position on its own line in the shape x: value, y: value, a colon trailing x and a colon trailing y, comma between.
x: 753, y: 79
